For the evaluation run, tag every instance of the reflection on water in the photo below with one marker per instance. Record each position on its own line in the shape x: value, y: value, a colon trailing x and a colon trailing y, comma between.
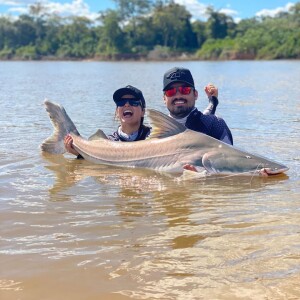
x: 172, y: 237
x: 72, y: 230
x: 130, y: 182
x: 144, y: 235
x: 68, y: 172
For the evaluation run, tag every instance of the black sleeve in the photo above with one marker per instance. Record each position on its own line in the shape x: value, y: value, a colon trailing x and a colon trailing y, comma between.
x: 212, y: 106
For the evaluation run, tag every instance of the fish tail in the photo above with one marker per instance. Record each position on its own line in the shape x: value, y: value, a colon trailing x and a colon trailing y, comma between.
x: 62, y: 124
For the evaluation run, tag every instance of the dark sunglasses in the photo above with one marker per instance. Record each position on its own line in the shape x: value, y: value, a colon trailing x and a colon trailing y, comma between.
x: 183, y: 90
x: 131, y: 101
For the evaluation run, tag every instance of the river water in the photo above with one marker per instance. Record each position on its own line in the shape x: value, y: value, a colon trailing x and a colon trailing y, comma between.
x: 72, y: 230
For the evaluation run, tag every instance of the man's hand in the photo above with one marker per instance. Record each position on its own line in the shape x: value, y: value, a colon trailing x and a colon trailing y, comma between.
x: 190, y: 167
x: 211, y: 90
x: 263, y: 172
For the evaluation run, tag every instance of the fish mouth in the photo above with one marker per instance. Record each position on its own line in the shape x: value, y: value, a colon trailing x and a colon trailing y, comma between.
x: 270, y: 171
x: 127, y: 113
x: 180, y: 101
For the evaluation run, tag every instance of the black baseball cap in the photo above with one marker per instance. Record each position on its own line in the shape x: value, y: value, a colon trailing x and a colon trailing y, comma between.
x: 129, y: 90
x: 178, y: 75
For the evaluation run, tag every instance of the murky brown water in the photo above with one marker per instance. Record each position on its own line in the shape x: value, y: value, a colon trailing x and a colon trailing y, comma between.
x: 72, y: 230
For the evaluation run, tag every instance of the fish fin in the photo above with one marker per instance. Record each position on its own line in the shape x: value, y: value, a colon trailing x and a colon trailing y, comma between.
x: 163, y: 125
x: 99, y: 134
x: 62, y: 124
x: 209, y: 160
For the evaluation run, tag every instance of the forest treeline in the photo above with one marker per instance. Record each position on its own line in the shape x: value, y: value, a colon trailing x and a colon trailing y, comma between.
x: 153, y: 30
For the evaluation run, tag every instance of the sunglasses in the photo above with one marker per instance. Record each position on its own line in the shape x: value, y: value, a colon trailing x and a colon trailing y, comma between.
x: 183, y: 90
x: 131, y: 101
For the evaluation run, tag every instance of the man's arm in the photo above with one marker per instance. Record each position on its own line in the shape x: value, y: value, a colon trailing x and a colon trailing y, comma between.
x: 212, y: 106
x: 212, y: 94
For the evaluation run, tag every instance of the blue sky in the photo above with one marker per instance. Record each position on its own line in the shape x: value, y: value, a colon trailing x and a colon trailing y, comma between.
x: 238, y: 9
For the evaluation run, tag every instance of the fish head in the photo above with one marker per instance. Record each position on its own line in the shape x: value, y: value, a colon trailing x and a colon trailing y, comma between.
x: 240, y: 162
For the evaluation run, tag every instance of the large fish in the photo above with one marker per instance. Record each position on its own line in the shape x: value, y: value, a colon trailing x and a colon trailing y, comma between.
x: 170, y: 147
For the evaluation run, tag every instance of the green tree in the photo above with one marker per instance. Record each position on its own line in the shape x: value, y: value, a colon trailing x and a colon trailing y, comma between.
x: 25, y: 31
x: 160, y: 28
x: 7, y: 38
x: 244, y: 25
x: 131, y: 9
x: 76, y: 39
x: 130, y: 12
x: 7, y: 33
x: 111, y: 36
x: 38, y: 13
x: 51, y: 40
x: 145, y: 35
x: 172, y: 25
x: 199, y: 29
x: 218, y: 24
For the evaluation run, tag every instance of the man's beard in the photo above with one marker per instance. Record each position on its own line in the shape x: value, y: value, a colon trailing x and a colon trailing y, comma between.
x: 179, y: 112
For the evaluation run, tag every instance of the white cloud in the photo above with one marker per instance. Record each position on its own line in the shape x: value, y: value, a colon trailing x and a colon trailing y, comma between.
x: 274, y: 12
x: 198, y: 10
x: 228, y: 11
x: 74, y: 8
x: 19, y: 10
x: 16, y: 2
x: 77, y: 7
x: 232, y: 13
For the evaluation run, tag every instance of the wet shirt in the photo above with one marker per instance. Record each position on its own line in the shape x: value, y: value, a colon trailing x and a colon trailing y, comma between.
x: 141, y: 134
x: 210, y: 125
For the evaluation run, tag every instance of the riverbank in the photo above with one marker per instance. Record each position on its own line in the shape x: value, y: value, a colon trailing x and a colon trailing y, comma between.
x: 140, y: 57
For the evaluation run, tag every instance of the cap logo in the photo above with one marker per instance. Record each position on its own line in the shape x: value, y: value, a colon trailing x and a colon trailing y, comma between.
x: 175, y: 75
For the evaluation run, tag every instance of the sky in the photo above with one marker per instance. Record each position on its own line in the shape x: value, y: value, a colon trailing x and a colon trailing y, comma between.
x: 238, y: 9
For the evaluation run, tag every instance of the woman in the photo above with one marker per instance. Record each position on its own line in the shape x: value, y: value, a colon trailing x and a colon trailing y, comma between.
x: 130, y: 111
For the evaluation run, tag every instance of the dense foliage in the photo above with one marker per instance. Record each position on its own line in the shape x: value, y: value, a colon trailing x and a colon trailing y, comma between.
x: 145, y: 29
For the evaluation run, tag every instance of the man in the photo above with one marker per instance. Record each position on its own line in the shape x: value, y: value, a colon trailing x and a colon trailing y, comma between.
x: 180, y: 96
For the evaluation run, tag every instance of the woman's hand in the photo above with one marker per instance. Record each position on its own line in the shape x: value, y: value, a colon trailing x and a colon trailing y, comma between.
x: 68, y: 141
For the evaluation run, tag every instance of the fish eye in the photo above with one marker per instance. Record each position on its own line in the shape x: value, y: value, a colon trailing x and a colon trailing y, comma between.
x: 247, y: 156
